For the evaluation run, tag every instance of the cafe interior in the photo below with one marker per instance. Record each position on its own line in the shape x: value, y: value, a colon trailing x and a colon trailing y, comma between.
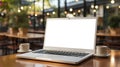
x: 23, y: 26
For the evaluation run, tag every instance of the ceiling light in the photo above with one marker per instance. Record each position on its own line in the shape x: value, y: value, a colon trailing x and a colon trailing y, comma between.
x: 30, y: 7
x: 70, y: 9
x: 19, y: 10
x: 107, y: 7
x: 48, y: 13
x: 21, y: 7
x: 65, y: 12
x: 112, y: 1
x: 92, y: 6
x: 119, y: 6
x: 79, y: 11
x: 35, y: 14
x: 94, y: 11
x: 76, y: 0
x: 74, y: 13
x: 96, y: 6
x: 53, y: 12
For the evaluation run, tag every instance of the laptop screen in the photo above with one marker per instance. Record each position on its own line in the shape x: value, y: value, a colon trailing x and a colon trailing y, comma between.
x: 70, y: 33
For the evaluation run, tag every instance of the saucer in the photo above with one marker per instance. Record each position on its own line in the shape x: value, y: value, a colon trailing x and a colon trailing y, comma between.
x: 107, y: 55
x: 23, y: 51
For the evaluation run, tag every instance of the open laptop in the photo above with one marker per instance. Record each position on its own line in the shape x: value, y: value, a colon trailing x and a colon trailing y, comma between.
x: 66, y: 41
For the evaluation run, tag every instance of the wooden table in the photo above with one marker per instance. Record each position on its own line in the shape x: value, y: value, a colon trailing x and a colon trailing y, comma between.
x: 16, y: 40
x: 37, y: 31
x: 25, y: 37
x: 28, y: 36
x: 113, y: 41
x: 112, y: 61
x: 107, y: 35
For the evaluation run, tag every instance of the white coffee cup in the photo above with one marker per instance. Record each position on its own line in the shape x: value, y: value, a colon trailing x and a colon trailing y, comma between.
x: 102, y: 51
x: 24, y: 47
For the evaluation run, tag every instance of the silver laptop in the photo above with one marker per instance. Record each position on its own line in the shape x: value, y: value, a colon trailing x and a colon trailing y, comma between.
x: 66, y: 41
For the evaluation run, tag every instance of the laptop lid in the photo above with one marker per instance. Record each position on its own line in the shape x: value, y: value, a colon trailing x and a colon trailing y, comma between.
x: 70, y: 33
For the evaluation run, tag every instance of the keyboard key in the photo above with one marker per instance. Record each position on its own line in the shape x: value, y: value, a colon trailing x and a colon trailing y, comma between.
x: 65, y: 53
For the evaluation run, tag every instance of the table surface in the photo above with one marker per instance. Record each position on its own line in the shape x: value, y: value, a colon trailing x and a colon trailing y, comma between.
x: 37, y: 31
x: 107, y: 34
x: 29, y: 35
x: 112, y: 61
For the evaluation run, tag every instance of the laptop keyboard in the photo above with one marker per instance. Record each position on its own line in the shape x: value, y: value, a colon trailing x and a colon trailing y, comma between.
x: 65, y: 53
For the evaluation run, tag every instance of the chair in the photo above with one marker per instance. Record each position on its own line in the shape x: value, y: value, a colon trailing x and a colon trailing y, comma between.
x: 13, y: 46
x: 2, y: 47
x: 3, y: 44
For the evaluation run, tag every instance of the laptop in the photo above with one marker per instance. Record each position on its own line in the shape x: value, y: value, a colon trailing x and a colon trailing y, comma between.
x: 66, y: 41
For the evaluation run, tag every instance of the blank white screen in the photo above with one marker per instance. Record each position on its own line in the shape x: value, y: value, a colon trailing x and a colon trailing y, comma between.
x: 70, y: 33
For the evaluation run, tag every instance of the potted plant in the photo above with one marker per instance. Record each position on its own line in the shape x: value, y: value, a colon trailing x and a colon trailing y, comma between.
x: 114, y: 24
x: 12, y: 29
x: 12, y: 24
x: 19, y: 21
x: 22, y: 22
